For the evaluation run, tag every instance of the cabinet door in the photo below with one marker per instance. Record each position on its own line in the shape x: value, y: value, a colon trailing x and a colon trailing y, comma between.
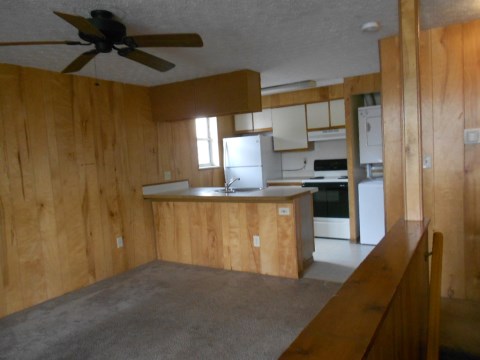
x: 337, y: 112
x: 289, y: 128
x: 243, y: 122
x: 318, y: 115
x: 262, y: 120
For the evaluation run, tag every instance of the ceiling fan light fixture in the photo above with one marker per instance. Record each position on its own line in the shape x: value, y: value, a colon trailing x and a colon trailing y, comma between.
x: 371, y: 26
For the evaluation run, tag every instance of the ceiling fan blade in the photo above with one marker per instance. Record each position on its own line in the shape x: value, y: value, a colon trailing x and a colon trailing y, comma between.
x: 81, y: 24
x: 80, y: 61
x: 166, y: 40
x: 146, y: 59
x: 40, y: 43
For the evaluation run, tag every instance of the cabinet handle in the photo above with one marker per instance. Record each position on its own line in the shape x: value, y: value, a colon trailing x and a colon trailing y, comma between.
x: 368, y: 127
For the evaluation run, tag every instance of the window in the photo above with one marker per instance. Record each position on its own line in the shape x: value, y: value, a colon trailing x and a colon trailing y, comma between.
x: 207, y: 142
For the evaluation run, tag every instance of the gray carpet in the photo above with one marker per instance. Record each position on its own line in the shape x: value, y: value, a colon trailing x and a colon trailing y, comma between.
x: 168, y: 311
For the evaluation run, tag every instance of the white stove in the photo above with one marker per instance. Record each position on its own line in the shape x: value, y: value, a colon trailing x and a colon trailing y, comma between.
x: 329, y: 171
x: 330, y: 203
x: 327, y: 179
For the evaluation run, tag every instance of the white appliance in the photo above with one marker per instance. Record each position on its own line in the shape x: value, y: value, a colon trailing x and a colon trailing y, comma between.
x: 252, y: 159
x: 371, y: 211
x: 330, y: 202
x: 370, y: 134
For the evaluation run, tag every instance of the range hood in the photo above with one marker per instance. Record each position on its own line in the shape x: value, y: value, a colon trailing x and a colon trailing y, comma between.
x: 325, y: 135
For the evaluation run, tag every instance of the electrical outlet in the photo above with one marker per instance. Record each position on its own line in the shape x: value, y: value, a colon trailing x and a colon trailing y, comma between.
x: 167, y: 175
x: 119, y: 241
x: 284, y: 211
x: 427, y: 162
x: 256, y: 241
x: 471, y: 136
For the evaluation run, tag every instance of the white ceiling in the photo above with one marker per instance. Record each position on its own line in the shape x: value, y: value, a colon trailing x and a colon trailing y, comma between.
x: 285, y: 40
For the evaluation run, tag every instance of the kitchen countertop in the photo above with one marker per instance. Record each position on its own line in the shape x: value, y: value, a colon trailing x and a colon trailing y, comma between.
x: 208, y: 194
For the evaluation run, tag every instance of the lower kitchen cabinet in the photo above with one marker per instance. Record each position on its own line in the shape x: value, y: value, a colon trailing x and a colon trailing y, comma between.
x: 289, y: 128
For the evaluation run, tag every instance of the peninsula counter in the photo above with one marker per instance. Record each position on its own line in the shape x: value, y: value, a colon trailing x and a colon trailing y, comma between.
x: 203, y: 226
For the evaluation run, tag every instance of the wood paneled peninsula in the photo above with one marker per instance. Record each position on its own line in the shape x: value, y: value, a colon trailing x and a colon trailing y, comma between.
x: 202, y: 226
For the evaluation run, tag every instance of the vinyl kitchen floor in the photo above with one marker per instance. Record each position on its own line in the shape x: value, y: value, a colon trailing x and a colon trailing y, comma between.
x: 335, y: 260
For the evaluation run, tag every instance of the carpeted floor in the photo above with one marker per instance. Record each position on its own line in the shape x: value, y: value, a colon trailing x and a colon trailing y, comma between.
x: 168, y: 311
x: 459, y: 330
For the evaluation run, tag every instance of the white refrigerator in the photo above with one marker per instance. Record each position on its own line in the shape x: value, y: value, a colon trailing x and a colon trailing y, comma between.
x: 252, y: 159
x: 371, y: 211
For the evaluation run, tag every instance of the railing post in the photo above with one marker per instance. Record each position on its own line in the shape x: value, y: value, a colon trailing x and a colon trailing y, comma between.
x: 412, y: 137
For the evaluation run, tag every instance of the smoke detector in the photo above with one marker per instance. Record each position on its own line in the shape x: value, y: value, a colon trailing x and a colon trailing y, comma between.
x: 371, y: 26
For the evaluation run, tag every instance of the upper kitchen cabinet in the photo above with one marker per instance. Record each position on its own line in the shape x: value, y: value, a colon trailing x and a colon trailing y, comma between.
x: 224, y: 94
x: 244, y: 122
x: 173, y: 101
x: 256, y: 122
x: 327, y: 114
x: 262, y: 120
x: 337, y: 113
x: 318, y: 115
x: 289, y: 128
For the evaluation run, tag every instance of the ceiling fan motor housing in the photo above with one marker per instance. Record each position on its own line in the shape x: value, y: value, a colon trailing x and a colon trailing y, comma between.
x: 113, y: 30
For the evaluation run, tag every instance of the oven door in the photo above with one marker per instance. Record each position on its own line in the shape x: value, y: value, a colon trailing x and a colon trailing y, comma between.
x: 331, y: 200
x: 330, y: 210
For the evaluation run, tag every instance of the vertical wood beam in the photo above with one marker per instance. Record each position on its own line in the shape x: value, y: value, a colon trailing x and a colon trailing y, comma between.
x: 409, y: 34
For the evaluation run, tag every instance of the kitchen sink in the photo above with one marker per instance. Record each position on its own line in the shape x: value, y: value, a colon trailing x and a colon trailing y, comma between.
x: 247, y: 189
x: 237, y: 190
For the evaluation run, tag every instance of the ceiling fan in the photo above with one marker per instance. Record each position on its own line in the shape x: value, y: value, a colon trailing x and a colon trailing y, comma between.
x: 107, y: 33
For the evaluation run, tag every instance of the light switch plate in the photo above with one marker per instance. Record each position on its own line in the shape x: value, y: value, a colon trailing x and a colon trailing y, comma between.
x: 119, y: 241
x: 283, y: 211
x: 471, y: 136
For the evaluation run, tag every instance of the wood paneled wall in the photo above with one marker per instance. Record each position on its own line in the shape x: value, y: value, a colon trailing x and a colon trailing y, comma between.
x: 73, y: 157
x: 411, y: 113
x: 393, y: 131
x: 471, y: 181
x: 451, y: 188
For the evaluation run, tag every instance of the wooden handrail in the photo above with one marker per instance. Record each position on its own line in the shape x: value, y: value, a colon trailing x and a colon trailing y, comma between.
x: 435, y: 288
x: 381, y: 311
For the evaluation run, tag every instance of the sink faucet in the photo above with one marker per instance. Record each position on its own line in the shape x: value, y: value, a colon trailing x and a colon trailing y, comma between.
x: 229, y: 183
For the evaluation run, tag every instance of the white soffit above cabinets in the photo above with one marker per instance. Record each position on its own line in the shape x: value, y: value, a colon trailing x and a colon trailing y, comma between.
x: 286, y: 41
